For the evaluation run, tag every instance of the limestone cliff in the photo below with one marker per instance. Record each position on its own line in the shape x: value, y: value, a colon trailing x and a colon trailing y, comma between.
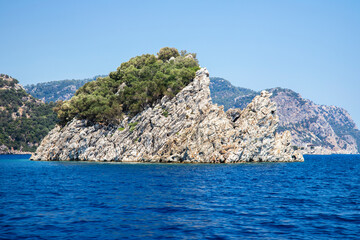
x: 315, y: 129
x: 186, y: 128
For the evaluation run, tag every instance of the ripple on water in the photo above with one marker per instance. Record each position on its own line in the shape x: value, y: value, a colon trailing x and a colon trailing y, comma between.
x: 317, y: 199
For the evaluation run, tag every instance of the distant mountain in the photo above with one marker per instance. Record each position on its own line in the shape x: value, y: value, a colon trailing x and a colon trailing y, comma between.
x: 24, y: 120
x: 57, y: 90
x: 225, y: 93
x: 318, y: 129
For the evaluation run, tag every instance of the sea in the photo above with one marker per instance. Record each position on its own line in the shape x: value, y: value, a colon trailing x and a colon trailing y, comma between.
x: 315, y: 199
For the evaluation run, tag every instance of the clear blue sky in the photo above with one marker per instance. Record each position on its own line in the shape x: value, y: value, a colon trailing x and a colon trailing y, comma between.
x: 312, y: 47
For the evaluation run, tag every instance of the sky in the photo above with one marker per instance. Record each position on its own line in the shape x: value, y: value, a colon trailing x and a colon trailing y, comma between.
x: 311, y: 47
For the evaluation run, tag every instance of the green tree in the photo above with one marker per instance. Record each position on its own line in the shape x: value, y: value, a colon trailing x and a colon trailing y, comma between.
x: 136, y: 84
x: 166, y: 53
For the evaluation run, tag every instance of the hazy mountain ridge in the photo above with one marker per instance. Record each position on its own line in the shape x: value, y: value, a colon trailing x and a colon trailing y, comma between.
x: 317, y: 128
x: 57, y: 90
x: 24, y: 120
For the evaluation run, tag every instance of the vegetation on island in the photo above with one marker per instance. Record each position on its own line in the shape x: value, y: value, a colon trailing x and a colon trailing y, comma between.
x: 136, y: 84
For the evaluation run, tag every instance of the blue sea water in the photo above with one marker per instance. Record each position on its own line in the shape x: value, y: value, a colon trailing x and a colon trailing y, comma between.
x: 316, y: 199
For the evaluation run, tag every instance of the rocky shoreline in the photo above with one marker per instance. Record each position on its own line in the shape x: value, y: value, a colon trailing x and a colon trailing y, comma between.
x: 185, y: 129
x: 4, y: 150
x: 16, y: 153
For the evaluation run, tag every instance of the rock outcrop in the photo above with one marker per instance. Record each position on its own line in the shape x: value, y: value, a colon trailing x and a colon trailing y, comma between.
x: 315, y: 129
x: 186, y: 128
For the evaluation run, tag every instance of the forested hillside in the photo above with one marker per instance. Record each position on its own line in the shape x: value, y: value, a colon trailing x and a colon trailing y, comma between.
x: 224, y: 93
x: 24, y: 120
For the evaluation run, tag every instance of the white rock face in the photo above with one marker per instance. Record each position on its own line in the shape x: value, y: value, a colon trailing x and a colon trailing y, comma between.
x: 186, y: 128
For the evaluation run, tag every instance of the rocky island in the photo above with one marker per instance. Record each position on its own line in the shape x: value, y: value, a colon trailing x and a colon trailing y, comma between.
x: 180, y: 126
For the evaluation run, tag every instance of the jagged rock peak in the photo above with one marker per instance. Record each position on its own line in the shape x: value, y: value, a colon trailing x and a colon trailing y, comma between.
x: 186, y: 128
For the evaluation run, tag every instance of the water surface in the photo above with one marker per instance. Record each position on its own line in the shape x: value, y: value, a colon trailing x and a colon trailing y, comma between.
x: 316, y: 199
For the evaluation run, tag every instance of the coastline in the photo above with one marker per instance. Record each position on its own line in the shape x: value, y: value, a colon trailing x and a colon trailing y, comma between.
x: 30, y: 153
x: 16, y: 153
x: 190, y: 163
